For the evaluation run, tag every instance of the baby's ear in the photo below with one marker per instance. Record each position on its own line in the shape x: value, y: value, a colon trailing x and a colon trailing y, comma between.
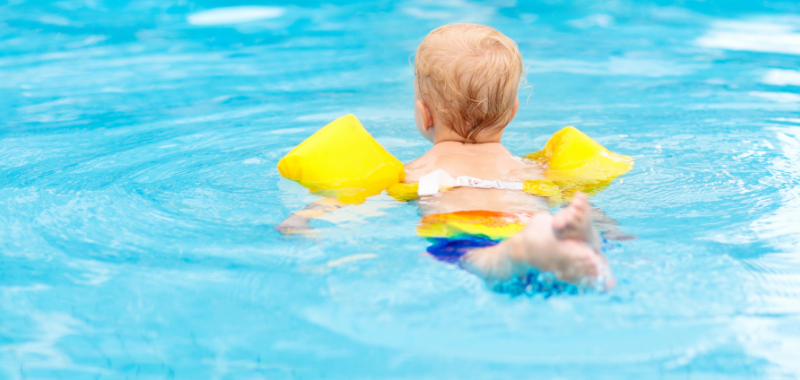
x: 425, y: 114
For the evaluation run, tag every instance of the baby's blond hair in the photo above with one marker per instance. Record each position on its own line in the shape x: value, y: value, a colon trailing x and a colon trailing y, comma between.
x: 469, y: 75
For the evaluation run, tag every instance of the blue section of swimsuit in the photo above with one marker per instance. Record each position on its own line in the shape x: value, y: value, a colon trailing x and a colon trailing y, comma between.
x: 451, y: 250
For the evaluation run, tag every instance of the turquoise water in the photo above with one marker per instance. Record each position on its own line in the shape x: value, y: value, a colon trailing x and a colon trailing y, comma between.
x: 138, y: 190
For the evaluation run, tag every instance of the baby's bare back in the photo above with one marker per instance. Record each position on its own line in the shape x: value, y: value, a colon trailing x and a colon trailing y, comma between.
x: 489, y: 161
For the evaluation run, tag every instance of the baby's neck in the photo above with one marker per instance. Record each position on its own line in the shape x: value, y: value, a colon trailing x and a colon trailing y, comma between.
x: 475, y: 149
x: 447, y: 135
x: 465, y: 142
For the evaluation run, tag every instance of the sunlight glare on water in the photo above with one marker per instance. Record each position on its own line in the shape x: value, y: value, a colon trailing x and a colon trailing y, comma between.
x: 138, y: 191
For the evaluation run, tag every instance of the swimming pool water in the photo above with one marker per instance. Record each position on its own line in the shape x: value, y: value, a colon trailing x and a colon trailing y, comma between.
x: 138, y: 190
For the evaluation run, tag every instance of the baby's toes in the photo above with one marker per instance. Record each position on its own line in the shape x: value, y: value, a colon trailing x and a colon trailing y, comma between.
x: 582, y: 205
x: 562, y: 219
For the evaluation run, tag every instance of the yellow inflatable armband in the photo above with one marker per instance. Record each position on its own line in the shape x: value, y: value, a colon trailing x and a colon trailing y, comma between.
x: 342, y: 160
x: 403, y: 192
x: 576, y: 162
x: 541, y: 187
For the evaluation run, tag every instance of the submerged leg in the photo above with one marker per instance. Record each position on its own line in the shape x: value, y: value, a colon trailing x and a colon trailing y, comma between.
x: 565, y: 245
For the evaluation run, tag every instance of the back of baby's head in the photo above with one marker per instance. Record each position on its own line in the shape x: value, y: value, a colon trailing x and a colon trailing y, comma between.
x: 469, y: 75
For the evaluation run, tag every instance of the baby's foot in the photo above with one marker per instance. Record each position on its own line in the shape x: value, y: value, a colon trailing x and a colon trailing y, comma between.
x: 564, y: 244
x: 575, y: 262
x: 537, y: 247
x: 575, y: 222
x: 572, y: 250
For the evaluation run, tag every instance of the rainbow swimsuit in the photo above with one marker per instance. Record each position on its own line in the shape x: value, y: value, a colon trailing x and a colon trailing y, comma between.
x: 454, y: 234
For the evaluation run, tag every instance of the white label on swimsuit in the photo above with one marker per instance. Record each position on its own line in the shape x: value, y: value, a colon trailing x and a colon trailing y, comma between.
x: 484, y: 184
x: 431, y: 183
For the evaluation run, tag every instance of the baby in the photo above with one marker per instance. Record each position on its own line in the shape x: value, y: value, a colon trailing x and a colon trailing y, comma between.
x: 466, y: 82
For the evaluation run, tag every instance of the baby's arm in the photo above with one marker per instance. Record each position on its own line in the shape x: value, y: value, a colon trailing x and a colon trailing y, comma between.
x: 297, y: 223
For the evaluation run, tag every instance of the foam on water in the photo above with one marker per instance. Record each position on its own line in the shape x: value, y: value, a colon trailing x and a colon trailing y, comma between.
x: 234, y: 15
x: 758, y: 35
x: 781, y: 77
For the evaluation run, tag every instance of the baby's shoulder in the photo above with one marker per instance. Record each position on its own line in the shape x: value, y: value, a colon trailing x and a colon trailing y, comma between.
x: 490, y: 167
x: 421, y: 166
